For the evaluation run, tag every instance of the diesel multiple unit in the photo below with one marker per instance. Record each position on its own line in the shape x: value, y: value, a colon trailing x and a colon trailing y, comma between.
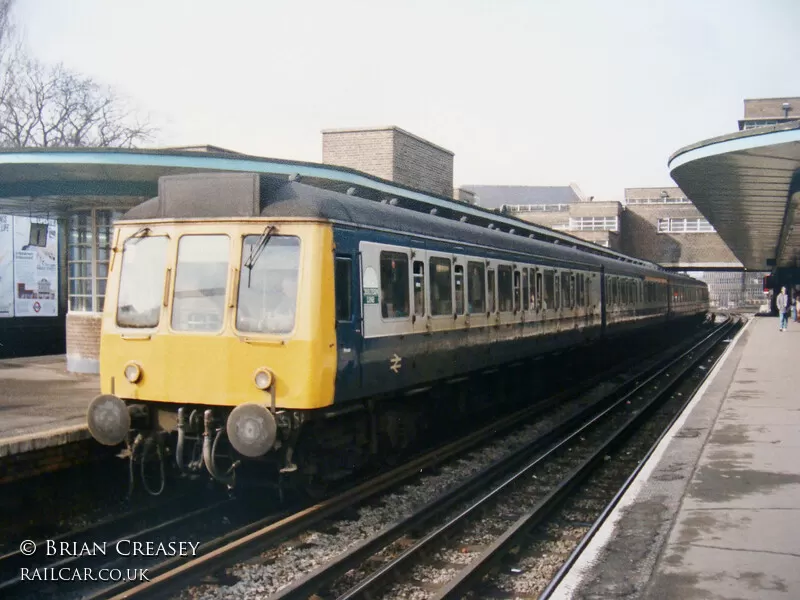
x: 264, y: 315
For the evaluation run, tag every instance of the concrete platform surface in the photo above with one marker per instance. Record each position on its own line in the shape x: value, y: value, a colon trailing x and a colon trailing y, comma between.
x: 716, y: 512
x: 41, y: 404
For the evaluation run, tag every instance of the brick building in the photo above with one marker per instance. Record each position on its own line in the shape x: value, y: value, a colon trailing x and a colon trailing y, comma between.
x: 391, y: 153
x: 760, y: 112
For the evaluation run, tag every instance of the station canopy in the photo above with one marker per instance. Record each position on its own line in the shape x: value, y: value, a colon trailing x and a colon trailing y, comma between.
x: 55, y: 182
x: 747, y: 184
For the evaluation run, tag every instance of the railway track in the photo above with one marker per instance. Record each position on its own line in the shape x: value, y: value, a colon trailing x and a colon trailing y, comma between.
x: 105, y: 544
x: 173, y: 576
x: 526, y: 496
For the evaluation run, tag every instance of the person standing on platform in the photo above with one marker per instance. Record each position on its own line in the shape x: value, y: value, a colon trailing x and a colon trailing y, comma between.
x: 782, y: 302
x: 797, y: 307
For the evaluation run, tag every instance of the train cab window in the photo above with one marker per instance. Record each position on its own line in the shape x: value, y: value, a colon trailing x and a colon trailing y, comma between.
x: 505, y: 289
x: 549, y: 302
x: 394, y: 285
x: 491, y: 287
x: 141, y: 286
x: 419, y: 288
x: 526, y: 292
x: 538, y: 292
x: 459, y: 281
x: 201, y: 279
x: 441, y: 286
x: 343, y: 288
x: 517, y: 290
x: 267, y: 296
x: 476, y: 288
x: 579, y: 301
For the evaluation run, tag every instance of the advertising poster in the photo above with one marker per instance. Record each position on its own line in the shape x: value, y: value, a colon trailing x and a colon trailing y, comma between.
x: 35, y: 267
x: 6, y: 266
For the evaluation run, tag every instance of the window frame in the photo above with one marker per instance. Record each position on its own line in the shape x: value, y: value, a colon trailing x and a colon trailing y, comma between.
x: 343, y: 260
x: 405, y: 255
x: 431, y: 272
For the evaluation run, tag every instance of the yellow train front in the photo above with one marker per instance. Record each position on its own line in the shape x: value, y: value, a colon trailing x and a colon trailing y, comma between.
x: 213, y: 329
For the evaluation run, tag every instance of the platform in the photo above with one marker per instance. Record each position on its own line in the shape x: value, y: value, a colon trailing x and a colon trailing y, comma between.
x: 716, y: 511
x: 41, y: 404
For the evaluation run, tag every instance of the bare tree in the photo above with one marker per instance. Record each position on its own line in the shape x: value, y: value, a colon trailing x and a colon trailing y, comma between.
x: 50, y: 106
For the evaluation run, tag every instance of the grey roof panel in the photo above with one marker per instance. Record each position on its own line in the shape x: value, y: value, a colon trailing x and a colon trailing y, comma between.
x: 494, y: 196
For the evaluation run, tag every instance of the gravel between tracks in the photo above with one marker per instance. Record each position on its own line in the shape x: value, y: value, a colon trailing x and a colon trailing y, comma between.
x: 278, y: 567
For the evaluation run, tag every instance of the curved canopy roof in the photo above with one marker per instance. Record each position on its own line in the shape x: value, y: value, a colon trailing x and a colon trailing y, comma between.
x: 55, y: 181
x: 747, y: 184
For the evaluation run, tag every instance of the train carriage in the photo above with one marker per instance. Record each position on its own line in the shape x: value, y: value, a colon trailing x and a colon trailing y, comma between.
x: 241, y: 308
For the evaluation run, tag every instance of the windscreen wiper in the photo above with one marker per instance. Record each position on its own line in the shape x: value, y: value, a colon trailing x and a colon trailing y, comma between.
x: 255, y: 251
x: 143, y: 232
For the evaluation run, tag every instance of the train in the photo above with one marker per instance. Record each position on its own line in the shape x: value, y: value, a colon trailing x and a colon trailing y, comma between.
x: 258, y: 319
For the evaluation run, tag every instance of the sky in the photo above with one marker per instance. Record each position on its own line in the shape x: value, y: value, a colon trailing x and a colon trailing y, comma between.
x: 537, y: 92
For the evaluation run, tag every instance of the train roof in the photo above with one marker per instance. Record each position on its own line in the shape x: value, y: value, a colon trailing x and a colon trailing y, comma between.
x: 249, y: 195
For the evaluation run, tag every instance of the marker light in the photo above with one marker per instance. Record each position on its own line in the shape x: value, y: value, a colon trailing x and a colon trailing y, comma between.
x: 133, y: 372
x: 263, y: 378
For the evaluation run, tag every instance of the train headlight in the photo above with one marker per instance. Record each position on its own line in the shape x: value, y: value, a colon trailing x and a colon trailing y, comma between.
x: 263, y: 378
x: 108, y: 420
x: 133, y: 372
x: 251, y: 430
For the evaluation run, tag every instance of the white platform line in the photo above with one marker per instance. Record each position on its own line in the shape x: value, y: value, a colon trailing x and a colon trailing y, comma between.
x: 590, y: 555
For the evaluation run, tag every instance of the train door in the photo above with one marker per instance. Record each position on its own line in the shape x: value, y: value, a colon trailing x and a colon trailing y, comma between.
x: 440, y: 284
x: 349, y: 325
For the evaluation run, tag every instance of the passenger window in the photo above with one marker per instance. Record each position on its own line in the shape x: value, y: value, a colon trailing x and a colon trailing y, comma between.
x: 517, y: 290
x: 538, y: 291
x: 492, y: 295
x: 268, y: 286
x: 572, y: 292
x: 394, y: 285
x: 419, y: 288
x: 549, y: 290
x: 476, y: 284
x: 201, y: 281
x: 344, y: 288
x: 566, y: 300
x: 505, y: 288
x: 441, y: 287
x: 557, y: 286
x: 526, y: 293
x: 459, y: 280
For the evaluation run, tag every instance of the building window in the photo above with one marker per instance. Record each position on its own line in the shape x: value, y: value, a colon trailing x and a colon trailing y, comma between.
x: 659, y: 200
x: 594, y: 223
x: 89, y: 248
x: 694, y: 225
x: 522, y: 208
